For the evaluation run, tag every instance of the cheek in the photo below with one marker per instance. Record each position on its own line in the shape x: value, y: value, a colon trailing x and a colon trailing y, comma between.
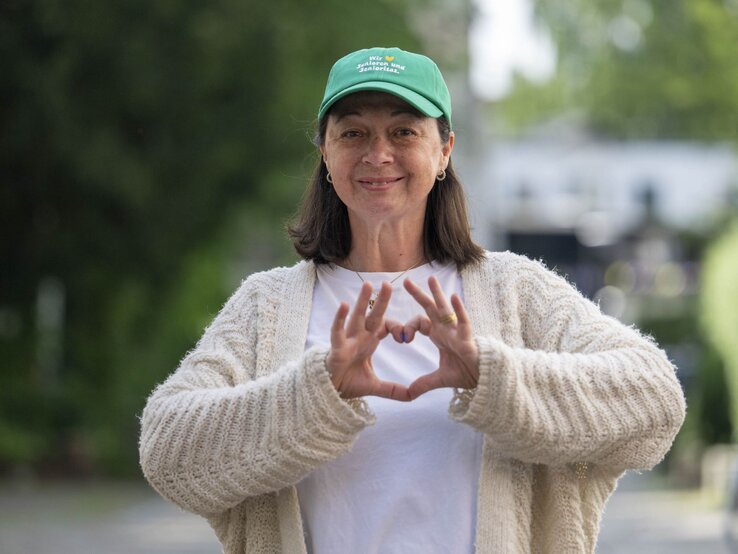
x: 338, y: 162
x: 427, y: 163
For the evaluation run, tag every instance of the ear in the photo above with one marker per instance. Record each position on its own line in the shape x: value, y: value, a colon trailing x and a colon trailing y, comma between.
x: 446, y: 150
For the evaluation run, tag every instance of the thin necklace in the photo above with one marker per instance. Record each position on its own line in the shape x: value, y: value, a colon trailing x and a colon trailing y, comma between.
x: 373, y: 299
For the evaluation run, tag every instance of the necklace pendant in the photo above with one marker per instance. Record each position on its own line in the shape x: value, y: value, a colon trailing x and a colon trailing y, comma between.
x: 373, y: 301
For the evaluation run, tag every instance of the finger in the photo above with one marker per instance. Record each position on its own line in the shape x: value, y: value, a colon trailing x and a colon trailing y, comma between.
x: 420, y: 297
x: 420, y: 323
x: 395, y: 328
x: 393, y: 391
x: 374, y: 319
x: 465, y: 327
x: 356, y: 320
x: 443, y: 307
x: 337, y: 332
x: 426, y: 383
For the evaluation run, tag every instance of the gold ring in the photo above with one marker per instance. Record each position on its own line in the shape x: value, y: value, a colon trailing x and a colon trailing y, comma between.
x: 449, y: 319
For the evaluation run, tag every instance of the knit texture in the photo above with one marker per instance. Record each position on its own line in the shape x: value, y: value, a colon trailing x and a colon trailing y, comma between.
x: 249, y: 413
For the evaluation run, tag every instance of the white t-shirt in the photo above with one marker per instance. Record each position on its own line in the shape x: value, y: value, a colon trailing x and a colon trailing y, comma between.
x: 409, y: 484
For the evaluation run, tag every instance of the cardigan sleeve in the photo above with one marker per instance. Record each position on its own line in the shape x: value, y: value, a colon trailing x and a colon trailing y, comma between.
x: 581, y: 388
x: 212, y: 436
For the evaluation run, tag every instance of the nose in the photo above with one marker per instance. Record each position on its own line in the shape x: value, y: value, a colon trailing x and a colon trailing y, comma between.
x: 378, y: 151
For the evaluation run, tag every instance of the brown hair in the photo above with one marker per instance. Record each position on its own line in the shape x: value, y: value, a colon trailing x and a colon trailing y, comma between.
x: 320, y: 231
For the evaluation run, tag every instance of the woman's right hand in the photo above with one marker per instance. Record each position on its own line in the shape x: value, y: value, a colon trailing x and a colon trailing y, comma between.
x: 349, y: 361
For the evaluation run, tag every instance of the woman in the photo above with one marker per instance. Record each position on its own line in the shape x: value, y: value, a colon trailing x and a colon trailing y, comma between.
x: 301, y: 424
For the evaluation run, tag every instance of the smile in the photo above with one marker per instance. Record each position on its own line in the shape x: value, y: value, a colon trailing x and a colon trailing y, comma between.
x: 379, y: 182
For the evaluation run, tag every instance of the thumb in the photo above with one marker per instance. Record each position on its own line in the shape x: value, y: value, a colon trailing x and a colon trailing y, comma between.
x: 424, y: 384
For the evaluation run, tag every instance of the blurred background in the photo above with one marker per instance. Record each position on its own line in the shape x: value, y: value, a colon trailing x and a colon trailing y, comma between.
x: 151, y: 153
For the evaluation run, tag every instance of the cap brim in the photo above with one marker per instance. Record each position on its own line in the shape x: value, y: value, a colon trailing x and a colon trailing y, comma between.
x: 425, y: 106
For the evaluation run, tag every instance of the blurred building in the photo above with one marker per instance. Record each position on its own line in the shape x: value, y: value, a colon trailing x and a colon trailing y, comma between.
x: 596, y: 187
x: 609, y: 215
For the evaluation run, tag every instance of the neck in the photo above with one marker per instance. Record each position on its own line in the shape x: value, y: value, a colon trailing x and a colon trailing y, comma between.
x: 385, y: 248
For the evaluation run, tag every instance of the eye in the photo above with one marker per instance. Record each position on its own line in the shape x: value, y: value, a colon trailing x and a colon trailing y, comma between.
x: 405, y: 132
x: 350, y: 133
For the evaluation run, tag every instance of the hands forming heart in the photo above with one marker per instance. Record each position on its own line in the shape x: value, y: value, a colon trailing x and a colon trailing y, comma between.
x: 353, y: 343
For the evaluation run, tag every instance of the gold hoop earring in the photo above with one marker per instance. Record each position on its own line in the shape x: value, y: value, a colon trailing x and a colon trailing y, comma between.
x: 441, y: 176
x: 329, y: 178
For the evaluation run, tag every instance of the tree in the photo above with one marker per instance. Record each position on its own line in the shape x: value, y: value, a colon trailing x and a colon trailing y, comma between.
x: 135, y: 138
x: 639, y: 68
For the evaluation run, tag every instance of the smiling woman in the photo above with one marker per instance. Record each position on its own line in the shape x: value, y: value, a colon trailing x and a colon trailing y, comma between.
x: 383, y: 158
x: 314, y: 417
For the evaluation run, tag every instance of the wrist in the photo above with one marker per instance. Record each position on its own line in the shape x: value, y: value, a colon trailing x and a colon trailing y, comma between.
x: 473, y: 365
x: 330, y: 368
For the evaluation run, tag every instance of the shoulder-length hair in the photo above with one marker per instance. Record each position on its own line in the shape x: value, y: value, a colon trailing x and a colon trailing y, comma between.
x: 320, y: 231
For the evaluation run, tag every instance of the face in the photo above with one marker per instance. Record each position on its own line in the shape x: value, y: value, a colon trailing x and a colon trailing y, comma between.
x: 383, y: 157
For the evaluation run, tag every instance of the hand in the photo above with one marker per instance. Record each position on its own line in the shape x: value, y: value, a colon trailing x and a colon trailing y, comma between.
x: 459, y: 356
x: 350, y: 358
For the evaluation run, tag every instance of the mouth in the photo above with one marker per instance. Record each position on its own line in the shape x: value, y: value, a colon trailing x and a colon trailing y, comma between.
x: 378, y: 182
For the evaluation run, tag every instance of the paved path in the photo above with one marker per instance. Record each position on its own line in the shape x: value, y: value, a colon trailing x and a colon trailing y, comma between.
x: 119, y: 518
x: 97, y: 518
x: 660, y: 521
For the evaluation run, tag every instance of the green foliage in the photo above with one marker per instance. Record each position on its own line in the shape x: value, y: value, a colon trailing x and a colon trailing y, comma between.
x: 711, y: 401
x: 703, y: 377
x: 143, y: 146
x: 719, y: 310
x: 640, y: 68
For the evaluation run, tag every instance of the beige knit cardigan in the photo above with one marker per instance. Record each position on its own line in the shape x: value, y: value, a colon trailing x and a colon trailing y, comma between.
x: 567, y: 400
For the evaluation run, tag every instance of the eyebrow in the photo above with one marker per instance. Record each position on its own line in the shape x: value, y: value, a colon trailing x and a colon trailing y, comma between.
x: 340, y: 116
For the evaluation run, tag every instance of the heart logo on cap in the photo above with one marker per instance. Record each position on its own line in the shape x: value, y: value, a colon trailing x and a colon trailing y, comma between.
x: 389, y: 58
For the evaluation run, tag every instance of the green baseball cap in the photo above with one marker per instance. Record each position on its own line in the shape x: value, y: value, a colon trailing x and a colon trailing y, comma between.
x: 413, y: 77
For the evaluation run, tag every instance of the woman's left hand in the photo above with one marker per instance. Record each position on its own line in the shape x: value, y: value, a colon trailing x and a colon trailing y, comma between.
x: 459, y: 356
